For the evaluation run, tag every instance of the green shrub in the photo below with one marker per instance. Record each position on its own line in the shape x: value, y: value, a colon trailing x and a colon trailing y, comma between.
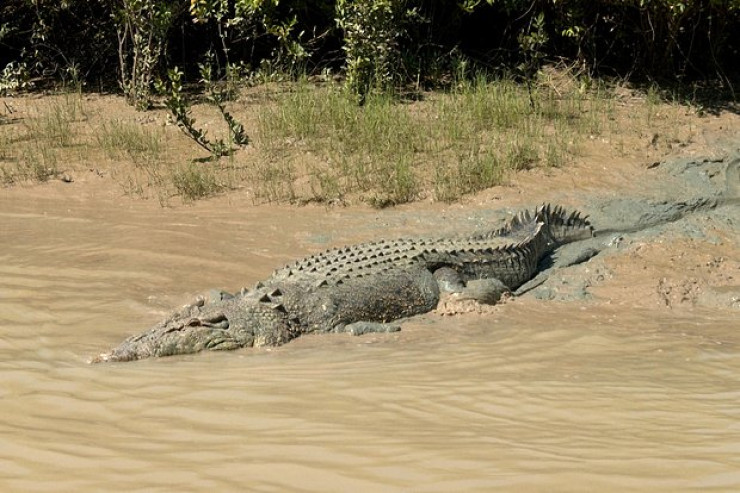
x: 371, y: 31
x: 142, y: 27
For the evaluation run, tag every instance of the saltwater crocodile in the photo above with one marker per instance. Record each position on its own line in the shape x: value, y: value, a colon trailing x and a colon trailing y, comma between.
x: 361, y: 288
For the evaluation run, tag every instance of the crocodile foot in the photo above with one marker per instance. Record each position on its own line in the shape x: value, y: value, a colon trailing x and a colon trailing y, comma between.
x: 362, y: 328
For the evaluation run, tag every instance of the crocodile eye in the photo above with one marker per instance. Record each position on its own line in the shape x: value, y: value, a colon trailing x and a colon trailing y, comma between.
x: 218, y: 321
x: 214, y: 319
x: 221, y: 324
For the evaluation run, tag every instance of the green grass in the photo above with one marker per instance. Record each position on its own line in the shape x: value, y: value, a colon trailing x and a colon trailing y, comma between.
x: 40, y: 165
x: 6, y: 144
x: 55, y: 125
x: 314, y: 143
x: 33, y: 153
x: 391, y: 152
x: 368, y: 149
x: 33, y: 165
x: 8, y: 161
x: 143, y: 145
x: 195, y: 181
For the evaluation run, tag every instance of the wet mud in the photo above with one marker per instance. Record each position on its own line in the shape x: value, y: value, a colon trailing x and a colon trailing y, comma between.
x: 694, y: 204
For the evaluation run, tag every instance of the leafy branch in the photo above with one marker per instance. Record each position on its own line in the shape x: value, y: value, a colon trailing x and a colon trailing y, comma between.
x: 531, y: 42
x: 181, y: 111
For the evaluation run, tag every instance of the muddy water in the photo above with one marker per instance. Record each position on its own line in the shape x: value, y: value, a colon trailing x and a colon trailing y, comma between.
x: 534, y: 397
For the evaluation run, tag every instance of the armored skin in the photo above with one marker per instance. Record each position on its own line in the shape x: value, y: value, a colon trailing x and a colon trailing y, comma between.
x: 361, y: 288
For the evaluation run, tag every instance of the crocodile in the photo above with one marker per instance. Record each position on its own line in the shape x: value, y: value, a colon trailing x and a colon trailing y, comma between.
x: 362, y: 288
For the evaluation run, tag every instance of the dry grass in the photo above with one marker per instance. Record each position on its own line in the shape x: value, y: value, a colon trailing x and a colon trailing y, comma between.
x: 313, y: 143
x: 32, y: 149
x: 449, y: 145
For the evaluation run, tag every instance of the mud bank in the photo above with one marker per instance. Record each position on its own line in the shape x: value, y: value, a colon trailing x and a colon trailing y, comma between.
x: 679, y: 229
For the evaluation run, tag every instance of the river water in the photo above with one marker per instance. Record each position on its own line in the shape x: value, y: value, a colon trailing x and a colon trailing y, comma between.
x: 536, y: 396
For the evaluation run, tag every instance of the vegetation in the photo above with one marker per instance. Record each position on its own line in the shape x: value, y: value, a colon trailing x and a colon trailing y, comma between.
x: 32, y: 152
x: 371, y: 35
x: 382, y: 41
x: 314, y: 143
x: 195, y: 182
x: 459, y: 143
x: 387, y: 100
x: 125, y: 140
x: 180, y: 109
x: 141, y: 29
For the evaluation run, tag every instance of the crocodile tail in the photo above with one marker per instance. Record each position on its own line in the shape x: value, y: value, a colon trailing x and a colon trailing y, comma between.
x: 564, y: 226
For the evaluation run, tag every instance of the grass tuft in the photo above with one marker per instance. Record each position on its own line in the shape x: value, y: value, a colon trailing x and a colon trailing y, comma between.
x: 143, y: 145
x: 314, y: 143
x: 194, y: 181
x: 390, y: 153
x: 54, y: 126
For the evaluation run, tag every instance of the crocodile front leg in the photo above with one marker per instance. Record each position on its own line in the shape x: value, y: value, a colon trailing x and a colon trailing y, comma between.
x: 486, y: 291
x: 362, y: 328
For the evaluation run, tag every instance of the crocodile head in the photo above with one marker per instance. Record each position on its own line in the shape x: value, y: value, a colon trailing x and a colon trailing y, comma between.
x: 564, y: 227
x: 220, y: 325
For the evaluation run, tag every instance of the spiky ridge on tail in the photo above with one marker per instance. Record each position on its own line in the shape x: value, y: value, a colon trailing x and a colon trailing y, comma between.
x: 524, y: 222
x: 564, y: 227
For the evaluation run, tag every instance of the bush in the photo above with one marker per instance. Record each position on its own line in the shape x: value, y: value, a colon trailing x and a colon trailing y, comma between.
x: 380, y: 43
x: 142, y: 27
x: 371, y: 31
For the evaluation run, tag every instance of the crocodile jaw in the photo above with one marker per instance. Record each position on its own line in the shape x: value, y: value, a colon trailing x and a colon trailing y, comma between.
x: 218, y: 326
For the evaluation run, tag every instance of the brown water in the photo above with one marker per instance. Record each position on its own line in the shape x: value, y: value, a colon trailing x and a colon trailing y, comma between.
x: 534, y: 397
